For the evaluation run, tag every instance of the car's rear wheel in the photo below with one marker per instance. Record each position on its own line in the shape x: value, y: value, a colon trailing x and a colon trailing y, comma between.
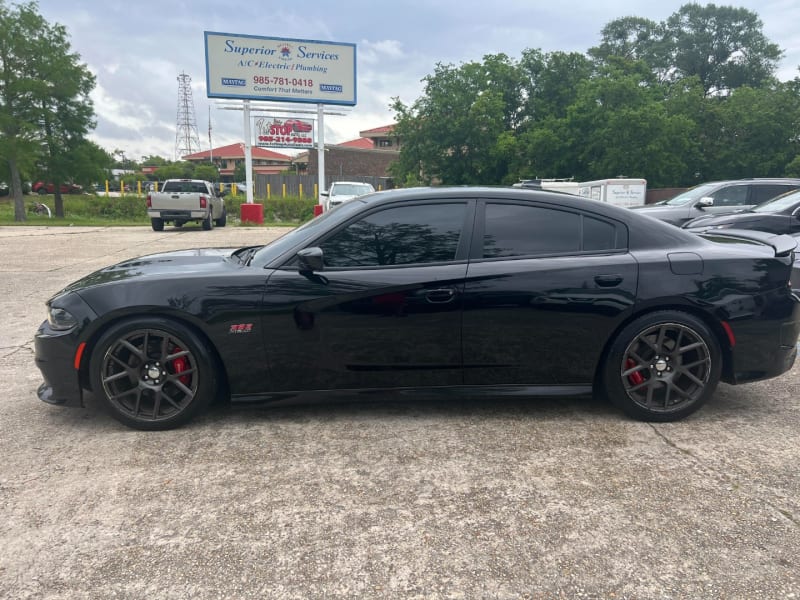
x: 157, y: 224
x: 152, y: 373
x: 208, y: 222
x: 663, y: 366
x: 223, y: 220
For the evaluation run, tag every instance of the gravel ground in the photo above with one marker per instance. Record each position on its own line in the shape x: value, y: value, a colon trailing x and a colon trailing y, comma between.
x: 470, y: 499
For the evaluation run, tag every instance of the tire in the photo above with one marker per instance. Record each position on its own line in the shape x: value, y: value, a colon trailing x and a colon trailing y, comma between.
x: 179, y: 224
x: 157, y: 224
x: 223, y: 220
x: 662, y: 366
x: 42, y: 191
x: 208, y: 222
x: 152, y: 373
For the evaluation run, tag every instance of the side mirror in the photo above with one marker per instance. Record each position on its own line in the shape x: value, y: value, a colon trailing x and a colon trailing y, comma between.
x: 223, y: 193
x: 311, y: 259
x: 705, y: 201
x: 325, y: 193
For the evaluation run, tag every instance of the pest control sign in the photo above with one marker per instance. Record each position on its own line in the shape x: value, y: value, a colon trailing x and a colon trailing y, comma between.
x: 251, y: 67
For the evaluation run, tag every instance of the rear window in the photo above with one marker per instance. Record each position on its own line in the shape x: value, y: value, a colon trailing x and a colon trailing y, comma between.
x: 192, y: 187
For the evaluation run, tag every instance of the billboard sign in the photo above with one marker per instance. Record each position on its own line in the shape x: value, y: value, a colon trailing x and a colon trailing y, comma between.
x: 250, y: 67
x: 284, y: 133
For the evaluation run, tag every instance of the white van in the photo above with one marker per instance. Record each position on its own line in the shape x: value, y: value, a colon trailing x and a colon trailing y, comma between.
x: 619, y: 192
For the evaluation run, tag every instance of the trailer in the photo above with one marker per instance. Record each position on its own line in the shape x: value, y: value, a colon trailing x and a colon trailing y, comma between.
x: 619, y: 191
x: 566, y: 186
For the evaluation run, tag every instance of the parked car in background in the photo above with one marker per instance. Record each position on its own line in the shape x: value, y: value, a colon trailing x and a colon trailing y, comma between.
x: 43, y: 188
x: 779, y: 215
x: 342, y: 191
x: 444, y: 292
x: 184, y: 200
x: 718, y: 197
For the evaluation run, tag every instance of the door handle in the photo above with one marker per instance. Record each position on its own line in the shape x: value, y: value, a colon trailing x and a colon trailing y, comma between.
x: 440, y: 296
x: 608, y: 280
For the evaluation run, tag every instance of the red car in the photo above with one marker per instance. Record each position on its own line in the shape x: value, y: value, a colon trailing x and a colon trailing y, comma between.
x: 298, y: 125
x: 43, y: 188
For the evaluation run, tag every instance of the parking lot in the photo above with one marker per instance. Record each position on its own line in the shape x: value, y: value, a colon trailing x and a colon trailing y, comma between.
x: 478, y: 498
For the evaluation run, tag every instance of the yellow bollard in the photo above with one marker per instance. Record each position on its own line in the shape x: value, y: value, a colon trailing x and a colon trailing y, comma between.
x: 316, y: 190
x: 284, y: 191
x: 106, y: 187
x: 269, y: 191
x: 301, y: 190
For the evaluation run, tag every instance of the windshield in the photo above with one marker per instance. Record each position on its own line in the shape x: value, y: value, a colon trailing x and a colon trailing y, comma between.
x: 274, y: 249
x: 781, y: 203
x: 691, y: 195
x: 350, y: 189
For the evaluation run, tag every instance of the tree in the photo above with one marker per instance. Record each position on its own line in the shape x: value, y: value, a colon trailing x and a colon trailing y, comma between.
x: 45, y: 110
x: 461, y: 130
x: 175, y: 170
x: 752, y: 133
x: 207, y: 172
x: 721, y: 45
x: 621, y: 123
x: 724, y: 47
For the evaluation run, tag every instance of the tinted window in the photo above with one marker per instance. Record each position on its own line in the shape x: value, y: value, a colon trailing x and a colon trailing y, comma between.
x: 762, y: 193
x: 398, y: 236
x: 598, y: 235
x: 732, y: 195
x: 516, y: 230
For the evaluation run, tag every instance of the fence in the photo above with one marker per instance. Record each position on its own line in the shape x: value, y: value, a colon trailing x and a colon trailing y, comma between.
x: 305, y: 186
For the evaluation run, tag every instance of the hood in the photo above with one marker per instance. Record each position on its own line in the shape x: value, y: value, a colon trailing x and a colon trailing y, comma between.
x: 176, y: 264
x: 737, y: 219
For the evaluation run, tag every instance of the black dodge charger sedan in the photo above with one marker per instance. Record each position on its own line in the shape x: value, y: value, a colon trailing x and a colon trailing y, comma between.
x: 445, y: 291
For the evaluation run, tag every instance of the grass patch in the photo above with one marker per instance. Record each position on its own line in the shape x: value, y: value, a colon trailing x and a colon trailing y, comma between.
x: 99, y: 210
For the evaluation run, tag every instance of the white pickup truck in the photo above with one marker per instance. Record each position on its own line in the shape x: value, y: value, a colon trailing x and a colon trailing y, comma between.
x: 182, y: 200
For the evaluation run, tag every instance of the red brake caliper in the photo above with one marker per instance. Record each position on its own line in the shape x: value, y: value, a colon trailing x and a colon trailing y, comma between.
x: 180, y: 364
x: 635, y: 378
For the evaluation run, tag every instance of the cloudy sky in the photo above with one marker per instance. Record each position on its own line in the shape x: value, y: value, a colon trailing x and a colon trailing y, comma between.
x: 138, y: 48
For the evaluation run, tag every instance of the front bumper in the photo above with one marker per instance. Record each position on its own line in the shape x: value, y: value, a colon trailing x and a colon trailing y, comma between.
x: 54, y: 356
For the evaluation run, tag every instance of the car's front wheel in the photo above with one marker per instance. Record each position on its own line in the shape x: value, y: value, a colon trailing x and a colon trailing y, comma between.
x: 152, y: 373
x: 663, y: 366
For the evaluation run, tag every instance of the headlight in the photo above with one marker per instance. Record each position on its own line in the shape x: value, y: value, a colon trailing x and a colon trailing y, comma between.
x: 60, y: 319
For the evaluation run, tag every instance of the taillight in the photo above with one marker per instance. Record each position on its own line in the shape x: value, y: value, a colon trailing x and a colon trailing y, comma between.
x: 149, y: 201
x: 203, y: 202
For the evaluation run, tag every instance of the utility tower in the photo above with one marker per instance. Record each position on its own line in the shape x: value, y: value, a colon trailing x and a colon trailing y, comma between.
x: 187, y: 140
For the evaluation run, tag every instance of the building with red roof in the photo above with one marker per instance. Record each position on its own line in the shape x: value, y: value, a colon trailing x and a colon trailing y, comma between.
x: 227, y: 158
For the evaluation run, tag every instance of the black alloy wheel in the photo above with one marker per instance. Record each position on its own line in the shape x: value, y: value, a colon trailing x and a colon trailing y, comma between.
x: 153, y: 374
x: 663, y: 366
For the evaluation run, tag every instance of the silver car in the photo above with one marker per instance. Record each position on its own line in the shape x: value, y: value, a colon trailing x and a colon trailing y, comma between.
x: 718, y: 197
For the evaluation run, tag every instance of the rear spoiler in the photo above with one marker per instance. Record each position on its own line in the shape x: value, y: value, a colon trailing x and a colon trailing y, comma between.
x: 781, y: 243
